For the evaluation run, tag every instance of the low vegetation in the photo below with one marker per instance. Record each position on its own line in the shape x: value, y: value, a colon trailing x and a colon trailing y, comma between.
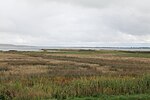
x: 74, y: 75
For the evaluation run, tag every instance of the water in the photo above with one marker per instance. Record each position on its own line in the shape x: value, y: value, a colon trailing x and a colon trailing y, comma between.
x: 34, y: 48
x: 18, y: 48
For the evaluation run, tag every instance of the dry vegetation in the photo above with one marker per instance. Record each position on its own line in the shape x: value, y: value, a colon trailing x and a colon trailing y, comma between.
x: 67, y: 74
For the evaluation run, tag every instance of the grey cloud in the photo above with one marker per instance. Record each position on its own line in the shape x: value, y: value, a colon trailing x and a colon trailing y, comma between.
x: 44, y: 22
x: 89, y: 3
x: 127, y: 21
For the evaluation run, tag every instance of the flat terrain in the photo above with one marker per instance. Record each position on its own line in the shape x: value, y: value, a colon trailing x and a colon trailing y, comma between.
x: 75, y: 75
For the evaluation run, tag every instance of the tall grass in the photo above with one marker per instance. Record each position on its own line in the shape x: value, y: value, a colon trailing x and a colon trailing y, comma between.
x: 39, y: 87
x: 72, y: 74
x: 94, y: 86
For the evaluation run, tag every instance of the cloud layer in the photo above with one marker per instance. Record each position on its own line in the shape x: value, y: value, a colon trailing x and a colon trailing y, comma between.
x: 70, y: 22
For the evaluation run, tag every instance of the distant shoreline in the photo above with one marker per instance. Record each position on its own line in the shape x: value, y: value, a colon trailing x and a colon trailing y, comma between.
x: 74, y: 48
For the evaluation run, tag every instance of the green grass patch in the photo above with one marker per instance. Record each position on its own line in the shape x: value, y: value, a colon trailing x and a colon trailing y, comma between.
x: 119, y: 97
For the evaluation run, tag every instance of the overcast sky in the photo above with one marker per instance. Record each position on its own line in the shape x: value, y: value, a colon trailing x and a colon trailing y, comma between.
x: 75, y: 22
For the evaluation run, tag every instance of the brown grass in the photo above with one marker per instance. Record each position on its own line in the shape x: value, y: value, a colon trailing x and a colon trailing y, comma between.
x: 37, y: 72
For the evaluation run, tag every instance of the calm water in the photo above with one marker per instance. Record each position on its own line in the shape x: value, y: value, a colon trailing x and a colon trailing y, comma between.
x: 19, y: 48
x: 30, y: 48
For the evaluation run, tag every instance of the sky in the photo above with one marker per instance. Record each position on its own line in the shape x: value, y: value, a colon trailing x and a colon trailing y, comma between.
x: 75, y: 22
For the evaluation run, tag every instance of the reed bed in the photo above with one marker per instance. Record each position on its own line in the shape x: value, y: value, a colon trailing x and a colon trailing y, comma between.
x: 74, y: 74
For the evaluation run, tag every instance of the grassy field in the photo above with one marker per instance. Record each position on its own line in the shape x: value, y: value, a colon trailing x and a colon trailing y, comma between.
x: 75, y: 75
